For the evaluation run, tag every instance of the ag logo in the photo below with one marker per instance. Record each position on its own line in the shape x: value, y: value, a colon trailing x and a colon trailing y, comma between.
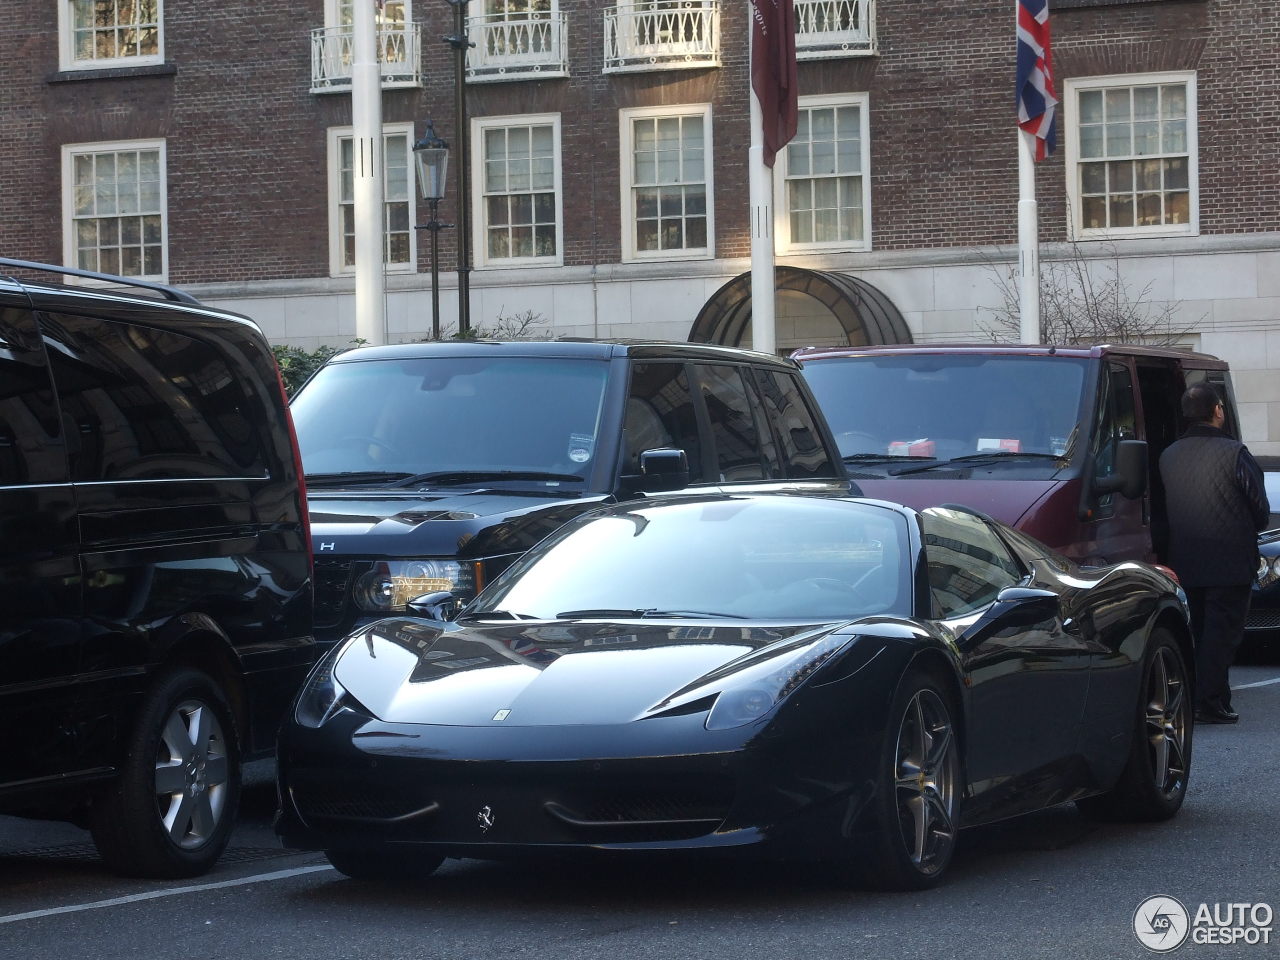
x: 485, y: 818
x: 1161, y: 924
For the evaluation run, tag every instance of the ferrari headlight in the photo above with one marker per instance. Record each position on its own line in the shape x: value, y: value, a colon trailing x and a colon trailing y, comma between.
x: 391, y: 584
x: 322, y: 693
x: 757, y: 690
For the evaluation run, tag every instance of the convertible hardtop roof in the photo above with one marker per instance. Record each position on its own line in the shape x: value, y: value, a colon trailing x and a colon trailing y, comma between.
x: 568, y: 347
x: 1092, y: 351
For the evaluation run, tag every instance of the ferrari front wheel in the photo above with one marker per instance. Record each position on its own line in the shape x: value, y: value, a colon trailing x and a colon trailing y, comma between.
x: 918, y: 789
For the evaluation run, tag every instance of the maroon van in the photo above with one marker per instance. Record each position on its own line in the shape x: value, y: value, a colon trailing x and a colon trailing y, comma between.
x: 1061, y: 442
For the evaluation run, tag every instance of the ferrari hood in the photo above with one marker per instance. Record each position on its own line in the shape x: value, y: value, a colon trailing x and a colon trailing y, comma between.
x: 412, y: 671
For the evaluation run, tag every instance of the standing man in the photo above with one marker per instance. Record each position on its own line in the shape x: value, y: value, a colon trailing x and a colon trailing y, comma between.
x: 1216, y: 506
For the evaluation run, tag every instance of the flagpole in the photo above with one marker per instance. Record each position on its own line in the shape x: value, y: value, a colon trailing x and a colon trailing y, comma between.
x: 1028, y: 243
x: 366, y: 173
x: 763, y: 322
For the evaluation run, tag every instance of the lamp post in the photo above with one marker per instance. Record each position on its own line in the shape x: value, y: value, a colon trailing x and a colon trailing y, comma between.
x: 460, y: 45
x: 432, y: 155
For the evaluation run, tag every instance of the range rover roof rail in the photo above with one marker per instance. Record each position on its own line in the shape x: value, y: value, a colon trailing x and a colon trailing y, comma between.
x: 170, y: 293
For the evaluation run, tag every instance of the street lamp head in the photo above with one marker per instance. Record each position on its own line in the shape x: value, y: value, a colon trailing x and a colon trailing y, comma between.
x: 432, y: 154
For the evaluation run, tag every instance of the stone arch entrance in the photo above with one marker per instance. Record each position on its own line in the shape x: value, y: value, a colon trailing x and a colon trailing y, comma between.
x: 815, y: 308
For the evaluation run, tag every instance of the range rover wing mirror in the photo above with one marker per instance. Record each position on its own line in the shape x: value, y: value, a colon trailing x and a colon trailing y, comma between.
x: 1130, y: 477
x: 663, y: 468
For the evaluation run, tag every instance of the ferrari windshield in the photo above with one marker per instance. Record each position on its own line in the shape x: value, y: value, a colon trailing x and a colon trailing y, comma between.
x: 754, y: 558
x: 452, y: 420
x: 940, y: 407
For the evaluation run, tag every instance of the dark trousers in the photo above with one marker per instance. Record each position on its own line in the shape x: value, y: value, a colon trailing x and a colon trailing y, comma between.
x: 1217, y: 623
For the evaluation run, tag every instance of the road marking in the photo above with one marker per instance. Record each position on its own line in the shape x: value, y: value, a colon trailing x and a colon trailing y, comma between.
x: 170, y: 892
x: 1260, y: 683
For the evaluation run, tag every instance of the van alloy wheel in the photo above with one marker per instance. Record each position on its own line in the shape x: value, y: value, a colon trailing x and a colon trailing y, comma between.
x: 192, y: 773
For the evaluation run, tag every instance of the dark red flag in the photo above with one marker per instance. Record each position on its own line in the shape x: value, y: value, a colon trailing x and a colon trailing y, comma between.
x: 773, y: 71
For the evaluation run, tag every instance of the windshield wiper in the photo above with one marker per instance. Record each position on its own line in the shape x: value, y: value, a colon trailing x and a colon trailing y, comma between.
x: 882, y: 457
x: 500, y: 615
x: 640, y: 614
x: 452, y: 477
x: 352, y: 476
x: 979, y: 458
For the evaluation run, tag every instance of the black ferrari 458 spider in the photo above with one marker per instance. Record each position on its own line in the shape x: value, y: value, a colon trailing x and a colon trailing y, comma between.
x: 782, y: 675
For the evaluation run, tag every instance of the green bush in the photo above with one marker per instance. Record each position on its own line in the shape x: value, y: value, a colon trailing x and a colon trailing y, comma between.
x: 296, y: 364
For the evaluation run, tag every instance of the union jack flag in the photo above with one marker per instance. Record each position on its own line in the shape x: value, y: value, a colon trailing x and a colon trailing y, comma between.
x: 1036, y: 99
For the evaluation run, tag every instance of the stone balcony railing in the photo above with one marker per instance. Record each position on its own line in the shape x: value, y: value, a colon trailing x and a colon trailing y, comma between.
x: 399, y: 57
x: 661, y: 35
x: 826, y: 29
x: 536, y: 46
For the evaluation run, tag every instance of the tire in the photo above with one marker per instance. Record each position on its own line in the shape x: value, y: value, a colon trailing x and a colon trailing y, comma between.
x: 384, y: 867
x: 918, y: 790
x: 170, y: 810
x: 1153, y: 783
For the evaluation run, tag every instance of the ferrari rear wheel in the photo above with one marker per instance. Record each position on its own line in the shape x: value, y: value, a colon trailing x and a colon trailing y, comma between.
x: 382, y: 866
x: 1154, y: 781
x: 918, y: 789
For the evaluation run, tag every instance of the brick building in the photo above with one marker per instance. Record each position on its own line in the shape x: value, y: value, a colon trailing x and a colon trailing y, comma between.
x: 210, y: 145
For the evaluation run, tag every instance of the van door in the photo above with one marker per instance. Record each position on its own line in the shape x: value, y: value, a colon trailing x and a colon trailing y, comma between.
x: 1116, y: 528
x: 39, y: 574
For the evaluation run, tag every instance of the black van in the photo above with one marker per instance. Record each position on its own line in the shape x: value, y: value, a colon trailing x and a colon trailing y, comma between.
x: 155, y: 576
x: 432, y: 466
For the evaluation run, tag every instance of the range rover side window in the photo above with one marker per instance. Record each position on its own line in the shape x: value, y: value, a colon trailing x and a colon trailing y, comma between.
x: 803, y: 452
x: 144, y: 404
x: 660, y: 414
x: 31, y: 448
x: 731, y: 408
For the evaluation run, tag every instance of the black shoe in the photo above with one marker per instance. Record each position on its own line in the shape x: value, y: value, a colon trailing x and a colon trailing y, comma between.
x: 1216, y: 714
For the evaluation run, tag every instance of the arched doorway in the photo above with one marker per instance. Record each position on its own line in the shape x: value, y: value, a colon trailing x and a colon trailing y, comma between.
x: 814, y: 308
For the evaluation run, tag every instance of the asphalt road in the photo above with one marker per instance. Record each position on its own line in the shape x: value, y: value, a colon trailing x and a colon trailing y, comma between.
x: 1049, y: 885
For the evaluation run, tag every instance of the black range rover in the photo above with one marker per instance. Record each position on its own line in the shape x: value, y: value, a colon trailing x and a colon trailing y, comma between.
x: 432, y: 466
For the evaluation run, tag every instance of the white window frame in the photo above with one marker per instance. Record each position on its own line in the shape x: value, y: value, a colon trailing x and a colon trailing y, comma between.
x: 69, y: 153
x: 334, y: 153
x: 67, y: 46
x: 626, y: 118
x: 1071, y: 114
x: 479, y: 208
x: 333, y: 13
x: 782, y: 208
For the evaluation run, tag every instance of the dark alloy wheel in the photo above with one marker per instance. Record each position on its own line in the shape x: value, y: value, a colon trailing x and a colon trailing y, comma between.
x: 1154, y: 781
x: 919, y: 790
x: 171, y: 809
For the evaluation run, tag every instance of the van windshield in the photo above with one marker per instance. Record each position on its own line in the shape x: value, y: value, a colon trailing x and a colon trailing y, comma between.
x: 884, y: 409
x: 529, y: 420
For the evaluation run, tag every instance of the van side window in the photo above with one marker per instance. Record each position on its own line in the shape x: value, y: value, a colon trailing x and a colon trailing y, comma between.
x: 968, y: 564
x: 660, y: 414
x: 145, y: 404
x: 803, y: 452
x: 1117, y: 419
x: 731, y: 407
x: 31, y: 449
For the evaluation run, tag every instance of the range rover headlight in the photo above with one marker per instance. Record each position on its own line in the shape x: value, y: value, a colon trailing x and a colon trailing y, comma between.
x: 757, y: 690
x: 391, y: 584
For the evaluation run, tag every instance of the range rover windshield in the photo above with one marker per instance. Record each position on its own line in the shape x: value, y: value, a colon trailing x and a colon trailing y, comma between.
x: 914, y: 413
x: 448, y: 421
